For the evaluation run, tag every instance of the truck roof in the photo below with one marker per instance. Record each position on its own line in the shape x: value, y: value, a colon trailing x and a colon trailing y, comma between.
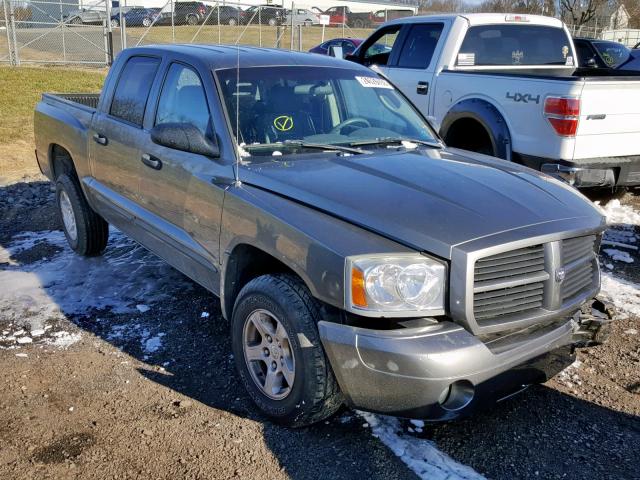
x: 226, y: 56
x: 484, y: 19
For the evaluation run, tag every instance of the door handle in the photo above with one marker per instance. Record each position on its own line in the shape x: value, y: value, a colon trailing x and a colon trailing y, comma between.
x: 99, y: 139
x: 151, y: 161
x: 422, y: 88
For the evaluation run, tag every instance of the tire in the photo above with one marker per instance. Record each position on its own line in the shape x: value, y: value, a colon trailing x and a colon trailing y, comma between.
x: 272, y: 22
x: 358, y: 23
x: 192, y: 20
x: 314, y: 394
x: 146, y: 22
x: 232, y: 22
x: 91, y: 230
x: 115, y: 23
x: 76, y: 21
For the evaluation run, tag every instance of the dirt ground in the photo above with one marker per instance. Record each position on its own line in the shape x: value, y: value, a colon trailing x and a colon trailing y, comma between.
x: 149, y: 391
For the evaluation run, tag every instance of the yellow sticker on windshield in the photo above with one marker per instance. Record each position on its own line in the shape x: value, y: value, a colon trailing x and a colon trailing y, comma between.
x: 283, y: 123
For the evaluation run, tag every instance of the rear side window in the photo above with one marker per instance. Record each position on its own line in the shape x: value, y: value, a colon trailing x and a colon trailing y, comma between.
x: 514, y: 45
x: 132, y: 90
x: 419, y: 46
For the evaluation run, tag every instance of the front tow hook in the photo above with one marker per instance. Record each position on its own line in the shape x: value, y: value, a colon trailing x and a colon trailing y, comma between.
x: 593, y: 323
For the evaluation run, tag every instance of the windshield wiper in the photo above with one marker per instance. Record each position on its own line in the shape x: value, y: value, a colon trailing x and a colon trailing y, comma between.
x: 311, y: 145
x: 391, y: 140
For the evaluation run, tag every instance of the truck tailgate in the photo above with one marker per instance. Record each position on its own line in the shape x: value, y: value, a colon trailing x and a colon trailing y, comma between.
x: 609, y: 119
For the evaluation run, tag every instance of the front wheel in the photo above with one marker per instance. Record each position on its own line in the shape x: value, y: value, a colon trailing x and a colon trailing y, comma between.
x: 232, y: 22
x: 146, y: 22
x: 278, y: 354
x: 272, y: 22
x: 192, y: 20
x: 115, y: 23
x: 86, y: 231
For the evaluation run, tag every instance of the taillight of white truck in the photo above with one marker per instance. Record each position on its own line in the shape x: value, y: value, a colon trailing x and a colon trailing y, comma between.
x: 563, y: 114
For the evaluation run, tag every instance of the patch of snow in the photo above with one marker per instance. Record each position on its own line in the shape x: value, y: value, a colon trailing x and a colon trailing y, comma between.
x: 420, y: 455
x: 631, y: 331
x: 38, y: 332
x: 204, y: 315
x: 153, y: 344
x: 63, y: 339
x: 618, y: 255
x: 23, y: 340
x: 623, y: 294
x: 67, y: 283
x: 22, y: 355
x: 620, y: 214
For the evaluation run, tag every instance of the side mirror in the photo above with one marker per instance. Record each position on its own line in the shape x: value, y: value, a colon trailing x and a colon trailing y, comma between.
x: 185, y: 137
x: 591, y: 63
x: 352, y: 57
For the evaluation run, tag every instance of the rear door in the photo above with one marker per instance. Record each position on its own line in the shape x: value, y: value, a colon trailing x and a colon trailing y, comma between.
x: 116, y: 133
x: 413, y: 68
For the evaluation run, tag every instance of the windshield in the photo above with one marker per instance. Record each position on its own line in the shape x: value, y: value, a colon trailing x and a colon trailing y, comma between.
x: 614, y: 54
x: 317, y: 105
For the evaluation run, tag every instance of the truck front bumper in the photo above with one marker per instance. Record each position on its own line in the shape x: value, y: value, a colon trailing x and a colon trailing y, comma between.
x: 590, y: 172
x: 441, y: 371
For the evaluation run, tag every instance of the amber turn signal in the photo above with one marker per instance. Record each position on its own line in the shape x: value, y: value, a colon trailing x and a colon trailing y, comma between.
x: 358, y: 296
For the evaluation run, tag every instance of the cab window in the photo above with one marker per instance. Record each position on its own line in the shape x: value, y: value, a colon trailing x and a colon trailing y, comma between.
x: 379, y: 50
x: 419, y: 46
x: 183, y: 100
x: 514, y: 45
x: 132, y: 91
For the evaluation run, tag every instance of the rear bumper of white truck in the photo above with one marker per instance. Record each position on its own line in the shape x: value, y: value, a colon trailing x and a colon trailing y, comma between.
x: 590, y: 172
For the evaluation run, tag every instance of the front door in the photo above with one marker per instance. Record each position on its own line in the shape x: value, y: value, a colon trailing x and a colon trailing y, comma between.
x: 178, y: 190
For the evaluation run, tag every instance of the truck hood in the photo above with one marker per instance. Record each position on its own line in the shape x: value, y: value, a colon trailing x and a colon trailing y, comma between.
x: 428, y: 199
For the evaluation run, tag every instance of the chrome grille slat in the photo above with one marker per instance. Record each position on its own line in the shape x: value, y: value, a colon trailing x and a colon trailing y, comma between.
x: 491, y: 262
x: 510, y: 291
x: 508, y: 271
x: 575, y: 248
x: 508, y: 302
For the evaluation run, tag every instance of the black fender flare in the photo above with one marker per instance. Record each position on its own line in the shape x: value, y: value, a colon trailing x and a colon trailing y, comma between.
x: 486, y: 115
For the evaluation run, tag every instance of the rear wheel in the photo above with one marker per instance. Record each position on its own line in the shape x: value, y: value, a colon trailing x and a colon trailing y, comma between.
x: 272, y: 22
x: 86, y: 231
x: 115, y: 23
x: 146, y: 22
x: 232, y: 22
x: 192, y: 20
x: 358, y: 23
x: 278, y: 353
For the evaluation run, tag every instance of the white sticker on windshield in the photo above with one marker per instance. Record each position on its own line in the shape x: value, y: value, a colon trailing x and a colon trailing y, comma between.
x: 466, y: 59
x: 569, y: 60
x: 374, y: 82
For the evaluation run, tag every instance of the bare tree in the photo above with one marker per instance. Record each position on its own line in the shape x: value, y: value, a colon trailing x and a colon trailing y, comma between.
x: 581, y: 12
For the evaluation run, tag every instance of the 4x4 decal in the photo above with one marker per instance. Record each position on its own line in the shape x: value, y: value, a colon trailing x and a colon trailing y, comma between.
x: 523, y: 97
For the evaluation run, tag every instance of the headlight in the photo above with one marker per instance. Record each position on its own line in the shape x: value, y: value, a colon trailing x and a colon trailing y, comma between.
x: 395, y: 285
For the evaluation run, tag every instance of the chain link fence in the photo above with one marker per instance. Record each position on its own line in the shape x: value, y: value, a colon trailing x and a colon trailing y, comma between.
x: 61, y: 31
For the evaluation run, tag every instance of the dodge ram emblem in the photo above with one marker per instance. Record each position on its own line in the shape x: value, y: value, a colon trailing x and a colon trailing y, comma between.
x: 560, y: 274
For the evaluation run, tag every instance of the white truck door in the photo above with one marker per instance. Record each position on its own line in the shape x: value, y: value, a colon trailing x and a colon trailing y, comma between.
x: 413, y: 68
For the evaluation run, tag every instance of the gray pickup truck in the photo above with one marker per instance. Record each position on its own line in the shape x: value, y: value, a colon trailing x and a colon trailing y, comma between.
x: 358, y: 259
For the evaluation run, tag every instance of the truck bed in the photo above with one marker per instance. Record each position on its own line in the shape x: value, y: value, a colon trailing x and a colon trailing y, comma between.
x: 89, y: 100
x: 586, y: 74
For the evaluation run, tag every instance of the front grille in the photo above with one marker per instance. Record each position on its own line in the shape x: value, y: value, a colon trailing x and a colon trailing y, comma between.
x: 522, y: 271
x: 517, y: 284
x: 578, y: 261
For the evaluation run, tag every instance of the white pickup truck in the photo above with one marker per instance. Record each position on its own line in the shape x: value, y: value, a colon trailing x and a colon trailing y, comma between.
x: 509, y: 86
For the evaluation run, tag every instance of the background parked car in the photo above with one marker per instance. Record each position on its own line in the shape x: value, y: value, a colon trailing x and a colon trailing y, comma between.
x: 348, y: 45
x: 263, y: 14
x: 342, y: 14
x: 185, y: 13
x: 136, y: 17
x: 302, y: 16
x: 606, y: 54
x: 224, y: 15
x: 382, y: 16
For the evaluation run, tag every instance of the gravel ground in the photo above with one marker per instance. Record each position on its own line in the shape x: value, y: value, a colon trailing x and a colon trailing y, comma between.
x: 134, y: 379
